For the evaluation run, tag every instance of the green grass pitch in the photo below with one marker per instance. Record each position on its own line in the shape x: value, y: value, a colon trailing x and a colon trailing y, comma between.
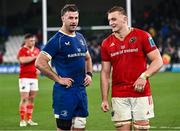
x: 165, y: 90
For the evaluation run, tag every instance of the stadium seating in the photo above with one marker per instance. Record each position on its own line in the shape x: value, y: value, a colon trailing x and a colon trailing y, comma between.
x: 12, y: 46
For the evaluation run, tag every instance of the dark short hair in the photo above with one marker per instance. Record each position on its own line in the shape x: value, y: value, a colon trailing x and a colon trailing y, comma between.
x: 117, y: 8
x: 69, y: 7
x: 28, y: 35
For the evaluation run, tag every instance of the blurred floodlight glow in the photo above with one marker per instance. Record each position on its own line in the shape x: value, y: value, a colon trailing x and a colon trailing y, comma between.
x: 35, y: 1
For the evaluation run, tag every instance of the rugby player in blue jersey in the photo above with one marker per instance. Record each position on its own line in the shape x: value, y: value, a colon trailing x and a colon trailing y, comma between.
x: 67, y: 51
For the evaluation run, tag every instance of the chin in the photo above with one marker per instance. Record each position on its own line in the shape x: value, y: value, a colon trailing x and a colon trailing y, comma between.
x: 114, y: 31
x: 72, y: 29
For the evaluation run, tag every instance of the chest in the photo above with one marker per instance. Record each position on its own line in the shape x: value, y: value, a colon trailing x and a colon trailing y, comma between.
x: 72, y: 47
x: 33, y: 52
x: 128, y: 47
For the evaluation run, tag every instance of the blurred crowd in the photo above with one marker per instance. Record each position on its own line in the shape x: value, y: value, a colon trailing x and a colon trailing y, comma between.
x: 161, y: 21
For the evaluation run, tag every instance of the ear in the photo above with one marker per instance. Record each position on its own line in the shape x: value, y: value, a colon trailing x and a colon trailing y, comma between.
x: 125, y: 19
x: 62, y: 18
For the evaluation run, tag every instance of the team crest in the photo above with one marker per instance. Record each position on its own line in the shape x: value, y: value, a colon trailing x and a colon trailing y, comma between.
x: 82, y: 42
x: 132, y: 40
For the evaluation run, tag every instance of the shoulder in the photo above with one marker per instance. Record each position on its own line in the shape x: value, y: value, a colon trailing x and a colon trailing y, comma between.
x: 36, y: 49
x: 55, y: 39
x: 141, y: 32
x: 107, y: 40
x: 56, y: 36
x: 22, y: 49
x: 79, y: 35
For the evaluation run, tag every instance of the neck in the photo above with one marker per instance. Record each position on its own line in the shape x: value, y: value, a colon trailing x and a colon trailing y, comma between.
x: 123, y: 33
x: 29, y: 47
x: 66, y: 31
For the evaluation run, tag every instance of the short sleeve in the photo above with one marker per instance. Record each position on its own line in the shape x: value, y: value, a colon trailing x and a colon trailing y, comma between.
x: 105, y: 56
x: 21, y: 53
x: 52, y: 46
x: 148, y: 43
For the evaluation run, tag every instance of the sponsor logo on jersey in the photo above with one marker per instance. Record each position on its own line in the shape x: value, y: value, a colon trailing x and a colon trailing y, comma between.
x: 132, y: 40
x: 133, y: 50
x: 151, y: 41
x: 112, y: 44
x: 76, y: 55
x: 67, y: 43
x: 64, y: 113
x: 79, y: 49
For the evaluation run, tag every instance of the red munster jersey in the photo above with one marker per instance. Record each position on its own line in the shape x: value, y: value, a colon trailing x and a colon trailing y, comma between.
x: 128, y: 59
x: 28, y: 70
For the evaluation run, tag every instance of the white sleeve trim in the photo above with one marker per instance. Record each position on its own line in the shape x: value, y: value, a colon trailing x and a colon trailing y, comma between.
x: 46, y: 54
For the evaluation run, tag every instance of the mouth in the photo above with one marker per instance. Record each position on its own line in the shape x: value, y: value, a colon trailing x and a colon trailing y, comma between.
x: 113, y: 26
x: 73, y: 25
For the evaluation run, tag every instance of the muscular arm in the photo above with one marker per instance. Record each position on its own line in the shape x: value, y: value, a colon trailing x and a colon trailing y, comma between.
x: 88, y: 67
x: 88, y: 62
x: 42, y: 64
x: 156, y: 62
x: 105, y: 77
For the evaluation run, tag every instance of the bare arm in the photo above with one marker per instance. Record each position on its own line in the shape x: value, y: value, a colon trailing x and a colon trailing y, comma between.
x: 26, y: 59
x: 42, y: 64
x: 88, y: 62
x: 105, y: 78
x: 156, y: 64
x: 88, y: 79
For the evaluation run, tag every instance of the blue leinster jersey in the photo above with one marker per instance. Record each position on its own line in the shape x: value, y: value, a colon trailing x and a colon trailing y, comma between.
x: 68, y: 56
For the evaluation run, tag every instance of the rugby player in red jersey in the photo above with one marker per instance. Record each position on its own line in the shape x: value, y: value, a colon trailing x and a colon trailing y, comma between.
x: 125, y: 53
x: 28, y: 82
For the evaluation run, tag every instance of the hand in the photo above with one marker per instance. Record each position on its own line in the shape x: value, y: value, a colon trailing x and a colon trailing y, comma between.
x: 139, y: 85
x: 105, y: 106
x: 66, y: 81
x: 87, y: 80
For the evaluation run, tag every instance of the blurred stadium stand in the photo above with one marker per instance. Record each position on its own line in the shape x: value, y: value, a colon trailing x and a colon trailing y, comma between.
x: 12, y: 45
x: 160, y: 18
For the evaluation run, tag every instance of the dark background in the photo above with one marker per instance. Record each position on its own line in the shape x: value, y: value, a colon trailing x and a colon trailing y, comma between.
x: 161, y: 18
x: 28, y: 13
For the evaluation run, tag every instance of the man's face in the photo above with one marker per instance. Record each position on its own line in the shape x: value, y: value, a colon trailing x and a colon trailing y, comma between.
x: 70, y: 20
x: 30, y: 42
x: 117, y: 21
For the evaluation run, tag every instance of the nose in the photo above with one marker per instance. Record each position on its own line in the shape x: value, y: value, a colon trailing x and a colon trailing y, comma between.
x: 110, y: 23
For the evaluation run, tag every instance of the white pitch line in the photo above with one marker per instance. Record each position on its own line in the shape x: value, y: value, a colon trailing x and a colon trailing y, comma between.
x: 165, y: 127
